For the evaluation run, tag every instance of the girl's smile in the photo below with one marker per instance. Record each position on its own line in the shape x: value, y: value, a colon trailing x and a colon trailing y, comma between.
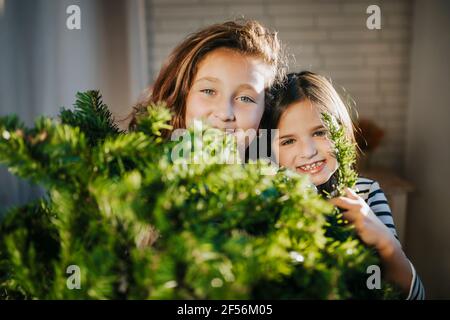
x: 311, y: 168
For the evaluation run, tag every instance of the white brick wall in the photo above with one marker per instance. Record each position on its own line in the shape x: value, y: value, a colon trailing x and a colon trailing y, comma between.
x: 329, y: 37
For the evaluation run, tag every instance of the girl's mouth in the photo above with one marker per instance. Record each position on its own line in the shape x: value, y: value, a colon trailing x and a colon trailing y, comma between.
x: 312, y: 168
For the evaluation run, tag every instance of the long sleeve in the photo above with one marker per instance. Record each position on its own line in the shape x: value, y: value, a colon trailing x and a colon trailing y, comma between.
x: 371, y: 192
x: 416, y: 290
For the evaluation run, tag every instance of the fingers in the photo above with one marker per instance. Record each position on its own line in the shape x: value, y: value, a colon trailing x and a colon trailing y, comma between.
x: 350, y: 204
x: 350, y: 216
x: 344, y: 202
x: 351, y: 193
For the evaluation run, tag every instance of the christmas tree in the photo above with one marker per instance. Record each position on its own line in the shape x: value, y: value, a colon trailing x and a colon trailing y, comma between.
x: 138, y: 224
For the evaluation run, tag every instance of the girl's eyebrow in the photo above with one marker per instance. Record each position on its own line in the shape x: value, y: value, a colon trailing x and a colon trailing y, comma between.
x: 243, y: 86
x: 289, y: 135
x: 247, y: 86
x: 210, y: 79
x: 320, y: 126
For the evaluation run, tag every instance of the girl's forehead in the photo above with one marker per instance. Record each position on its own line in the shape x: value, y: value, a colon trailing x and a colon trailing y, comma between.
x: 225, y: 62
x: 302, y: 115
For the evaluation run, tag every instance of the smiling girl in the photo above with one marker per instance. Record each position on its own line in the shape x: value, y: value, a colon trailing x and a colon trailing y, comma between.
x: 302, y: 144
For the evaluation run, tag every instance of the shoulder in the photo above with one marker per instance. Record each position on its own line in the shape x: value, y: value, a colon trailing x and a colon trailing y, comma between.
x: 362, y: 181
x: 372, y: 194
x: 370, y: 191
x: 365, y: 186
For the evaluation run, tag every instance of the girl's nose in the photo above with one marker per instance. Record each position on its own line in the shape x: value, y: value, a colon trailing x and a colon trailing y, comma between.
x: 307, y: 150
x: 225, y: 112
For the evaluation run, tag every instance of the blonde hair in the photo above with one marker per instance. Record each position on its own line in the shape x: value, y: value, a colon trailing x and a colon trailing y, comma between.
x: 175, y: 79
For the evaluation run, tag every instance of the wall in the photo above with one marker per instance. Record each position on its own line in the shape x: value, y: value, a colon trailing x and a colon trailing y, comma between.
x: 43, y: 64
x: 428, y: 149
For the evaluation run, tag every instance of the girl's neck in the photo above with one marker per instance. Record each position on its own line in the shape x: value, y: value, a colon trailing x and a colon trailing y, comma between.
x: 328, y: 187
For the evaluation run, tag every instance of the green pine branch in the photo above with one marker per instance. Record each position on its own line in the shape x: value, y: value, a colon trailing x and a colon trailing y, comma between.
x: 345, y: 153
x: 92, y: 116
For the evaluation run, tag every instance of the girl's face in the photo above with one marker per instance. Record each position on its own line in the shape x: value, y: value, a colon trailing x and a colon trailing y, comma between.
x: 228, y: 92
x: 303, y: 143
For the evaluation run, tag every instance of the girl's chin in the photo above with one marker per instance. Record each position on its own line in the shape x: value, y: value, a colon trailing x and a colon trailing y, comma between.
x: 319, y: 179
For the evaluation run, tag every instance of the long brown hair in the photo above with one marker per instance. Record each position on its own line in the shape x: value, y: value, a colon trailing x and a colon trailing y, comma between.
x: 175, y: 79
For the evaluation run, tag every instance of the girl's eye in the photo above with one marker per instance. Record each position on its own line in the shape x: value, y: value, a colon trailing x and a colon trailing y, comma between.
x: 208, y: 92
x: 246, y: 99
x: 287, y: 142
x: 320, y: 133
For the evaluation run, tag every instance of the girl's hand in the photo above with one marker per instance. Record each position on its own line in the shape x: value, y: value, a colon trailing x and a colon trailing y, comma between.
x: 374, y: 233
x: 367, y: 225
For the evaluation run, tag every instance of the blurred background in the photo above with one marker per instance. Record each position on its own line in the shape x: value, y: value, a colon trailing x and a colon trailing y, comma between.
x: 397, y: 77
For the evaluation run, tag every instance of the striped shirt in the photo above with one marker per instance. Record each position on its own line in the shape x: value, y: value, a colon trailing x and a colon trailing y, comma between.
x: 371, y: 192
